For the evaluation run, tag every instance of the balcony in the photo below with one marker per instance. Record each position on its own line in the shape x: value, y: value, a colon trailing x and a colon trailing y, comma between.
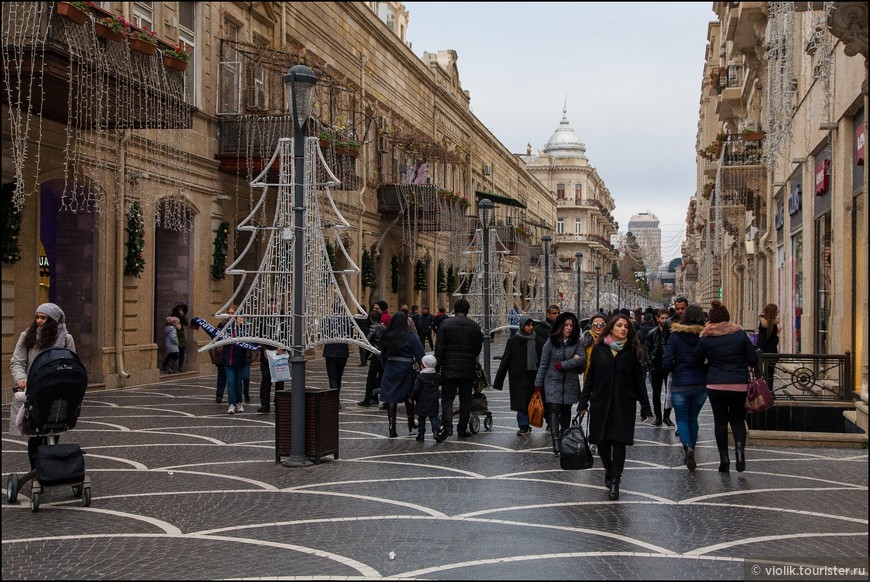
x: 114, y: 87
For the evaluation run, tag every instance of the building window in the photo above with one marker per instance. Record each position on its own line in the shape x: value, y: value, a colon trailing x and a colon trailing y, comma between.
x: 560, y: 226
x: 578, y: 226
x: 229, y: 99
x: 143, y: 15
x: 578, y: 194
x: 560, y: 191
x: 187, y: 37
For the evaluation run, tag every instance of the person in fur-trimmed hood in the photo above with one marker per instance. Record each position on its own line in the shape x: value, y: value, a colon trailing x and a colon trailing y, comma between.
x: 729, y: 354
x: 688, y: 378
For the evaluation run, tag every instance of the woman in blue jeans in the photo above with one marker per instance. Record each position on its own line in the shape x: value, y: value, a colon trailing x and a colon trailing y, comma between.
x: 688, y: 378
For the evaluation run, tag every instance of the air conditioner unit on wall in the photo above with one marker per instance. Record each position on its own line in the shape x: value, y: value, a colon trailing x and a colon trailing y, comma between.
x: 487, y: 170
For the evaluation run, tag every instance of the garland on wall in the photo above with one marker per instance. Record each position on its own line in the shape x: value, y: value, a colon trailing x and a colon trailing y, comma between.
x: 441, y: 278
x: 420, y: 280
x: 330, y: 252
x: 134, y: 262
x: 368, y: 270
x: 11, y: 225
x: 219, y: 256
x: 394, y: 274
x: 451, y: 279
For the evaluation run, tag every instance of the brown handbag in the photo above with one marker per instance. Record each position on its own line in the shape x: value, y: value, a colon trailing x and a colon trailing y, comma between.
x: 216, y: 356
x: 536, y: 410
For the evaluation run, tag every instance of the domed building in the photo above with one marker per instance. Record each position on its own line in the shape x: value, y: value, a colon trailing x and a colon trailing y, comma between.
x: 584, y: 206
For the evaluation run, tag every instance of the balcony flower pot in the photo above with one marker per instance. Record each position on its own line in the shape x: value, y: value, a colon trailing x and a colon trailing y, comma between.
x: 174, y: 63
x: 752, y: 136
x: 143, y: 46
x: 106, y: 32
x: 71, y: 12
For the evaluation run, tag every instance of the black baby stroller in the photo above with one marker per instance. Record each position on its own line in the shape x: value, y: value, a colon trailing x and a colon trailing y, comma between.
x: 56, y: 385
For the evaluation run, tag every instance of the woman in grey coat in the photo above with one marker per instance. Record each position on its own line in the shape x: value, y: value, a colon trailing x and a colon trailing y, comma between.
x: 563, y: 359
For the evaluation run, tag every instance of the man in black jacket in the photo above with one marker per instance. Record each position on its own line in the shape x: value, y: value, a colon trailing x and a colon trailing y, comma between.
x: 542, y: 328
x: 424, y: 327
x: 460, y: 340
x: 655, y: 343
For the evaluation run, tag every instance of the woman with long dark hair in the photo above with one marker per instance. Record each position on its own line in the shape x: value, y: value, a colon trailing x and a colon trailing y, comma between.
x: 729, y: 354
x: 613, y: 385
x: 768, y: 337
x: 563, y: 359
x: 400, y: 348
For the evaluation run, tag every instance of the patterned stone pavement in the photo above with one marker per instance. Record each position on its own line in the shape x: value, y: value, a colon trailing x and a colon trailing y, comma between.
x: 181, y: 490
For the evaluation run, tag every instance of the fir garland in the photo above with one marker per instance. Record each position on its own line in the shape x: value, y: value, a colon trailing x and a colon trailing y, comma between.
x: 441, y: 278
x: 11, y: 226
x: 451, y: 279
x: 368, y: 271
x: 134, y: 262
x: 330, y: 252
x: 219, y: 255
x: 394, y: 274
x: 420, y: 281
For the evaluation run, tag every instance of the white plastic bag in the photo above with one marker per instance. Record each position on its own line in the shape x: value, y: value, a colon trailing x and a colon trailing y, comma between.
x: 14, y: 412
x: 279, y: 366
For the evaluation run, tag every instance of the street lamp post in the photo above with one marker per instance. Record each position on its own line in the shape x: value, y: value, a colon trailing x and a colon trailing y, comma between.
x: 546, y: 244
x: 485, y: 210
x: 578, y: 258
x: 618, y: 293
x: 597, y: 288
x: 299, y: 83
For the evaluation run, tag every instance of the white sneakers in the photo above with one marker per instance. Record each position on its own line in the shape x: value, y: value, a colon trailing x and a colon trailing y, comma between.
x: 231, y: 409
x: 234, y: 408
x: 240, y: 407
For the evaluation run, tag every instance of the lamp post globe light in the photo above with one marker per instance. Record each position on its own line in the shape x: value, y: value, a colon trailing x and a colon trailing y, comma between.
x: 485, y: 209
x: 299, y: 87
x: 578, y: 259
x: 597, y: 288
x: 545, y: 240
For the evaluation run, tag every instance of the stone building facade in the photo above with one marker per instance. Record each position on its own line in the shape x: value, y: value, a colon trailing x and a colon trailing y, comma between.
x: 123, y: 134
x: 780, y: 213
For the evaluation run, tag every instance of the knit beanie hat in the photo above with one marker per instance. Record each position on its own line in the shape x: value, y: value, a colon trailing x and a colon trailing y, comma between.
x: 429, y: 361
x: 51, y: 310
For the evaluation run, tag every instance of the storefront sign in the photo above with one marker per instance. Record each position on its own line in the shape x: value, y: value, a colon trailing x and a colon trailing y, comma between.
x: 823, y: 177
x: 794, y: 200
x: 859, y: 144
x: 779, y: 215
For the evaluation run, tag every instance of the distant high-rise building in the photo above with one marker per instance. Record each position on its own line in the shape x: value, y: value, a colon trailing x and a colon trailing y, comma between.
x: 645, y: 228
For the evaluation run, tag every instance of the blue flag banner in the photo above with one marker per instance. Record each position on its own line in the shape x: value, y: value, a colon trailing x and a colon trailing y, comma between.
x: 219, y: 334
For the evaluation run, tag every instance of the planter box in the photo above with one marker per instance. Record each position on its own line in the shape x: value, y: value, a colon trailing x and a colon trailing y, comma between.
x: 143, y: 46
x: 71, y: 13
x: 174, y: 63
x: 107, y: 33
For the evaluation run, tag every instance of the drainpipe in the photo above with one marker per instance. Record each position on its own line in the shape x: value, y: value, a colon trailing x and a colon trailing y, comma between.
x: 361, y: 199
x: 119, y: 259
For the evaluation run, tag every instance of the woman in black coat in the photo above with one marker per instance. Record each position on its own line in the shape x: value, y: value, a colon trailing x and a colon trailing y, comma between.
x: 400, y: 348
x: 611, y: 388
x: 522, y: 354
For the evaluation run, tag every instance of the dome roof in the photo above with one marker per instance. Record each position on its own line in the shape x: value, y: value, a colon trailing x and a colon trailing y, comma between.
x: 565, y: 143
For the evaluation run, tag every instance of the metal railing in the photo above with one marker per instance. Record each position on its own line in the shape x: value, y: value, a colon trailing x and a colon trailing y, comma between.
x: 803, y: 377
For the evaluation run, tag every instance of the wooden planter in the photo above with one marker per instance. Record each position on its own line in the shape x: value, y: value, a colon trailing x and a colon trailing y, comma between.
x: 174, y: 63
x: 754, y: 136
x: 143, y: 46
x: 70, y: 12
x: 107, y: 33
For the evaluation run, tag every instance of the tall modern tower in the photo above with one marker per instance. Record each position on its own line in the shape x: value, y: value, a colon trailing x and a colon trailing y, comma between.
x: 645, y: 228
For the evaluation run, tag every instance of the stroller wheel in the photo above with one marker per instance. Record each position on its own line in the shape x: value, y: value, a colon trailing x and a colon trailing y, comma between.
x: 86, y: 497
x: 34, y: 502
x: 487, y: 422
x: 474, y: 424
x: 12, y: 488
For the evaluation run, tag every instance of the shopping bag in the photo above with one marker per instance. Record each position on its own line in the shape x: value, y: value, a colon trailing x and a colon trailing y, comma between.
x: 574, y: 451
x: 536, y: 410
x: 279, y: 366
x: 758, y: 395
x: 17, y: 405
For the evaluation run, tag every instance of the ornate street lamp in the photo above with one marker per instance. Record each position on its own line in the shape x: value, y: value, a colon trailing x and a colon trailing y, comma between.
x: 546, y: 244
x: 299, y: 85
x: 578, y: 258
x: 485, y: 209
x: 597, y: 288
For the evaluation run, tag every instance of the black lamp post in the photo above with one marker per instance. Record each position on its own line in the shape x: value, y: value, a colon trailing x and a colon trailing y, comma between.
x: 485, y: 211
x: 578, y: 258
x: 597, y: 288
x: 546, y: 244
x: 618, y: 293
x: 299, y: 84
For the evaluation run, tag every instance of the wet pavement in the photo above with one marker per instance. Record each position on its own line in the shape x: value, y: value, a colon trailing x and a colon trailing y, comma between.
x: 182, y: 490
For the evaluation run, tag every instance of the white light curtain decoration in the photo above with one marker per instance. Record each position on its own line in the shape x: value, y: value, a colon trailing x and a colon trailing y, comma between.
x: 500, y: 302
x: 326, y: 317
x: 120, y: 105
x: 781, y: 95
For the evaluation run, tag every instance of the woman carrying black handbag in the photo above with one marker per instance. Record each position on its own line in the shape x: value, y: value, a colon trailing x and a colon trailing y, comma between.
x: 613, y: 385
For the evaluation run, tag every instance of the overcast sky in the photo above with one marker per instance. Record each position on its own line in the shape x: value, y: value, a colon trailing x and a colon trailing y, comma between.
x: 631, y: 72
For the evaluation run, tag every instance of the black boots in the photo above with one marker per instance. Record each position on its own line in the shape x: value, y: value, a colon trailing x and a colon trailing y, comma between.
x: 391, y: 416
x: 554, y: 432
x: 412, y: 424
x: 613, y: 494
x: 667, y: 418
x: 690, y: 459
x: 724, y: 461
x: 740, y: 454
x: 608, y: 479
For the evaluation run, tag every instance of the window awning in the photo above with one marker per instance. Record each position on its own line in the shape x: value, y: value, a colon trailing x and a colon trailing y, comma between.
x: 499, y: 199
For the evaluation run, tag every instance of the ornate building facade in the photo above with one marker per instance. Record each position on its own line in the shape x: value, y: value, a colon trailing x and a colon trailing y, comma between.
x: 126, y: 178
x: 780, y: 213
